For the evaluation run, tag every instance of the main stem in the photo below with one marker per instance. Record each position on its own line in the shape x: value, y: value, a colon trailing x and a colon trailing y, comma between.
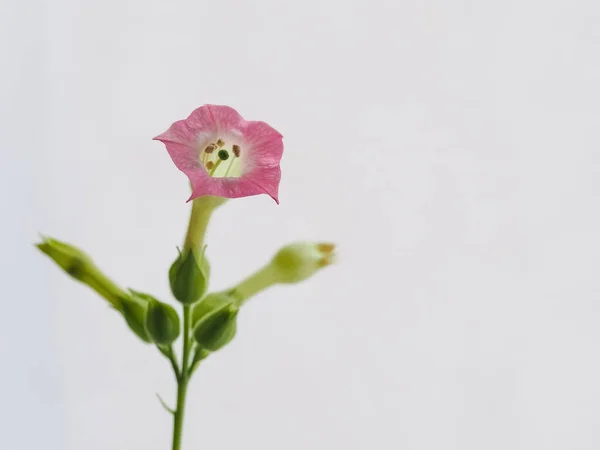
x: 202, y: 209
x: 182, y: 381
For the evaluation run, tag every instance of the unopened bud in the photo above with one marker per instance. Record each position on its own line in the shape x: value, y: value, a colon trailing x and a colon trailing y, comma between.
x: 81, y: 267
x: 297, y: 262
x: 217, y: 329
x: 188, y: 276
x: 291, y: 264
x: 162, y: 322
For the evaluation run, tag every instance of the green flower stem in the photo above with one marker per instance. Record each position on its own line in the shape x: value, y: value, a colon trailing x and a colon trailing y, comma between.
x: 195, y: 362
x: 106, y: 288
x: 202, y: 209
x: 255, y: 283
x: 182, y: 380
x: 178, y: 421
x: 169, y: 353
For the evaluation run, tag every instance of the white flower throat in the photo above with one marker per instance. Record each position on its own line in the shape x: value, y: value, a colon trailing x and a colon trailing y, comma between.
x: 222, y: 160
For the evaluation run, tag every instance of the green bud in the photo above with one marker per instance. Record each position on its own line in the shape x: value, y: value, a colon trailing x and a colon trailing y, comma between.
x: 208, y: 304
x: 134, y: 311
x: 291, y: 264
x: 71, y: 259
x: 162, y: 322
x: 81, y: 267
x: 189, y: 276
x: 297, y: 262
x: 217, y: 329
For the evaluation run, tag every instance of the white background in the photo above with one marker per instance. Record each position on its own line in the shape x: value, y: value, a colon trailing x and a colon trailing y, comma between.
x: 450, y: 148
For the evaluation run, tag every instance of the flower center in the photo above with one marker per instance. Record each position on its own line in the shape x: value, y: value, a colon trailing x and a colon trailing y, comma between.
x: 221, y: 159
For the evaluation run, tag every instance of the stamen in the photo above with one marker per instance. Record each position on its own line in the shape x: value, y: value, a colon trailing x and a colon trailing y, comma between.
x: 324, y: 262
x: 212, y: 164
x: 229, y: 169
x: 325, y: 247
x: 214, y: 169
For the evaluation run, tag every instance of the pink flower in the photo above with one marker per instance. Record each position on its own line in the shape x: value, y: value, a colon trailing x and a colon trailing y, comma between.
x: 224, y: 155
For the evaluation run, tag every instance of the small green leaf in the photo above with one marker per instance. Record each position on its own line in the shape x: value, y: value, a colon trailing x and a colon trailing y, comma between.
x: 164, y: 405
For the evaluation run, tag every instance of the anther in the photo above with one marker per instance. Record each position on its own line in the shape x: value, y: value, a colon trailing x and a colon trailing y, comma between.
x: 236, y: 150
x: 220, y: 143
x: 210, y: 165
x: 223, y: 155
x: 324, y: 262
x: 325, y: 247
x: 210, y: 148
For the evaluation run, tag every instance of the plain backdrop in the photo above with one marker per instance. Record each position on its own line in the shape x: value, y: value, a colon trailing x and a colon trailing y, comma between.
x: 450, y: 148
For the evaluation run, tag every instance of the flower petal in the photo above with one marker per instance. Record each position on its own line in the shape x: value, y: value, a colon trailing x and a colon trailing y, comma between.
x: 187, y: 131
x: 184, y: 157
x: 258, y: 181
x: 178, y: 133
x: 265, y: 144
x: 225, y: 118
x: 265, y: 180
x: 201, y: 120
x: 202, y: 184
x: 267, y: 154
x: 256, y: 132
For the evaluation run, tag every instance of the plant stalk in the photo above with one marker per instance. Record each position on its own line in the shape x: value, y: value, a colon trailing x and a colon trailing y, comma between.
x: 182, y: 380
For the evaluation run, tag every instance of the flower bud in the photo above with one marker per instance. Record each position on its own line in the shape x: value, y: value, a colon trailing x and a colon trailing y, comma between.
x: 296, y: 262
x: 162, y: 322
x: 208, y: 304
x: 80, y: 266
x: 291, y: 264
x: 218, y: 328
x: 189, y: 276
x: 134, y: 310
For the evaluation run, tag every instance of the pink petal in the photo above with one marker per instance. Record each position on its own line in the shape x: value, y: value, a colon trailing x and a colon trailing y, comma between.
x: 265, y: 144
x: 184, y: 157
x: 267, y: 154
x: 202, y: 184
x: 258, y: 132
x: 187, y: 131
x: 201, y: 120
x: 258, y: 181
x: 265, y: 180
x: 225, y: 118
x: 179, y: 133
